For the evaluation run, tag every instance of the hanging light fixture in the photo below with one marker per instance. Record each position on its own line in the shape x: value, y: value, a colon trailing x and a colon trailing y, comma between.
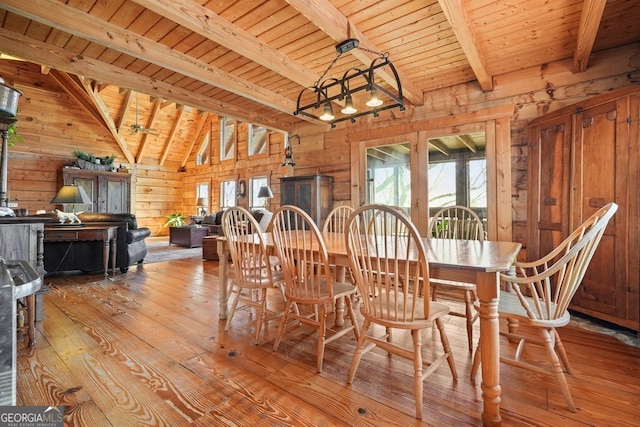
x: 345, y: 89
x: 288, y: 152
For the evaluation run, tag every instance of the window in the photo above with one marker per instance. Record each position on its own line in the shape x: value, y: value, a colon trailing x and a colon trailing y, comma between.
x: 227, y: 138
x: 254, y: 187
x: 258, y: 141
x: 202, y: 157
x: 461, y: 179
x: 202, y: 198
x: 227, y: 194
x: 442, y: 184
x: 389, y: 175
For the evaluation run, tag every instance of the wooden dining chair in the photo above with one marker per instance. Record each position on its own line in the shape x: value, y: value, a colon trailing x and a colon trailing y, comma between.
x: 457, y: 222
x: 253, y: 273
x: 337, y: 219
x: 308, y: 280
x: 378, y: 257
x: 540, y: 294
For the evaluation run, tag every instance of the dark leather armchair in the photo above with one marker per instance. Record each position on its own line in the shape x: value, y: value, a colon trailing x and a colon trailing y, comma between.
x: 86, y: 256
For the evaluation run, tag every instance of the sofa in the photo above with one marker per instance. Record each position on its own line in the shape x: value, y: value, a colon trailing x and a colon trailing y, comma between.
x: 87, y: 256
x: 214, y: 220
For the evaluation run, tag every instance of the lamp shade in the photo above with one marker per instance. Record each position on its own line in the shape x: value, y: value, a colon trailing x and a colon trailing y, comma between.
x: 71, y: 194
x: 201, y: 201
x: 265, y: 192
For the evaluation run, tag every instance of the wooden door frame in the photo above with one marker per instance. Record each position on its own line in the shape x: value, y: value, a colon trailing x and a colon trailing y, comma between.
x: 496, y: 123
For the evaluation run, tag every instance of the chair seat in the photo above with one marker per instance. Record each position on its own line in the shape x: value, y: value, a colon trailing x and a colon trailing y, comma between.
x: 511, y: 307
x: 324, y: 297
x: 419, y: 321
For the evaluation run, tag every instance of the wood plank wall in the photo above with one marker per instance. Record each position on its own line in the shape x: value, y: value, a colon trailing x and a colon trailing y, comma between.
x: 53, y: 125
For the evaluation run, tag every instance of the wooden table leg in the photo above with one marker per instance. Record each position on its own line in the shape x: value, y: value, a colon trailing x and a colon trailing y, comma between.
x: 223, y: 260
x: 31, y: 319
x: 340, y: 275
x: 114, y: 246
x: 105, y: 257
x: 488, y: 293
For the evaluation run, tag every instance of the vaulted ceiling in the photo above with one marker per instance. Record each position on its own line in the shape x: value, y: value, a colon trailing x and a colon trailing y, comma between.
x: 249, y: 59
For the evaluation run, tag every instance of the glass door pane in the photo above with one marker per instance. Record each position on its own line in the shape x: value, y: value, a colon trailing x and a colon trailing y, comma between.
x: 389, y: 175
x: 458, y: 172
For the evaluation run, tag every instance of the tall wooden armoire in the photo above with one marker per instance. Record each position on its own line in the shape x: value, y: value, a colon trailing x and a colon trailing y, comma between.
x: 580, y: 158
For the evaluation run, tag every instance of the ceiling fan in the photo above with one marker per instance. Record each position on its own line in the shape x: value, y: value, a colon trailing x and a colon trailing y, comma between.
x: 138, y: 128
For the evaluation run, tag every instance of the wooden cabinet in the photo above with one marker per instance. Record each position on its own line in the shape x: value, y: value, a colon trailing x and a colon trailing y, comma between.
x: 580, y: 158
x: 22, y: 239
x: 312, y: 193
x: 109, y: 191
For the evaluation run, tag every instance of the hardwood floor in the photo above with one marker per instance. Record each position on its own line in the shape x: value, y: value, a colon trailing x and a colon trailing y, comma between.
x: 148, y: 349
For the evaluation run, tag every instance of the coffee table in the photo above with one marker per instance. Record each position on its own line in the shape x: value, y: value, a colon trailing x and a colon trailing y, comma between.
x: 189, y: 236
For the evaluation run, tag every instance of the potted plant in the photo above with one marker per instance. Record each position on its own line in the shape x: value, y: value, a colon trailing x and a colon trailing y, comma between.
x: 175, y: 220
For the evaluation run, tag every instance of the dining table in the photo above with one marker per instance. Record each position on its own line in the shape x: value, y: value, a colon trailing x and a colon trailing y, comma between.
x: 471, y: 261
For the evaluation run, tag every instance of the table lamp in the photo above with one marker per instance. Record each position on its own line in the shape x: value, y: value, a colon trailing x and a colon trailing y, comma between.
x: 265, y: 193
x: 202, y: 202
x: 72, y: 195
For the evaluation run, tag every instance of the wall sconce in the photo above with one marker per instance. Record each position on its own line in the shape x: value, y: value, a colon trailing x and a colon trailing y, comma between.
x: 346, y: 89
x: 288, y: 152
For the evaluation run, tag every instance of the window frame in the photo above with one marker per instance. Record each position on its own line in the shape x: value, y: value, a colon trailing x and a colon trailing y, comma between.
x: 251, y: 140
x: 226, y: 193
x: 205, y: 146
x: 255, y: 183
x: 228, y: 126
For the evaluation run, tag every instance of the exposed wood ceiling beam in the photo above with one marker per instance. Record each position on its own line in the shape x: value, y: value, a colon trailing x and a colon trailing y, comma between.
x: 76, y: 91
x: 440, y: 146
x: 468, y: 142
x: 457, y: 17
x: 172, y: 135
x: 589, y: 22
x: 157, y: 104
x: 386, y: 153
x: 324, y: 15
x: 73, y: 21
x: 206, y: 23
x: 203, y: 119
x: 104, y: 111
x: 128, y: 99
x: 41, y: 53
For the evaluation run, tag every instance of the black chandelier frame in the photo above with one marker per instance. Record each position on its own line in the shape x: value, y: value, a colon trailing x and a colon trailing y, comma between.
x: 348, y: 85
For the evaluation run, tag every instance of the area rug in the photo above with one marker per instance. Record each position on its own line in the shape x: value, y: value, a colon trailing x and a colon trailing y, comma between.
x: 627, y: 336
x: 159, y: 249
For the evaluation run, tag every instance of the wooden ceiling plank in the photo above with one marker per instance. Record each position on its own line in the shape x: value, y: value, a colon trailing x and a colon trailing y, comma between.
x: 106, y: 116
x: 201, y: 123
x: 41, y: 53
x: 592, y: 11
x: 69, y: 19
x: 333, y: 23
x: 172, y: 134
x: 457, y: 17
x: 205, y: 22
